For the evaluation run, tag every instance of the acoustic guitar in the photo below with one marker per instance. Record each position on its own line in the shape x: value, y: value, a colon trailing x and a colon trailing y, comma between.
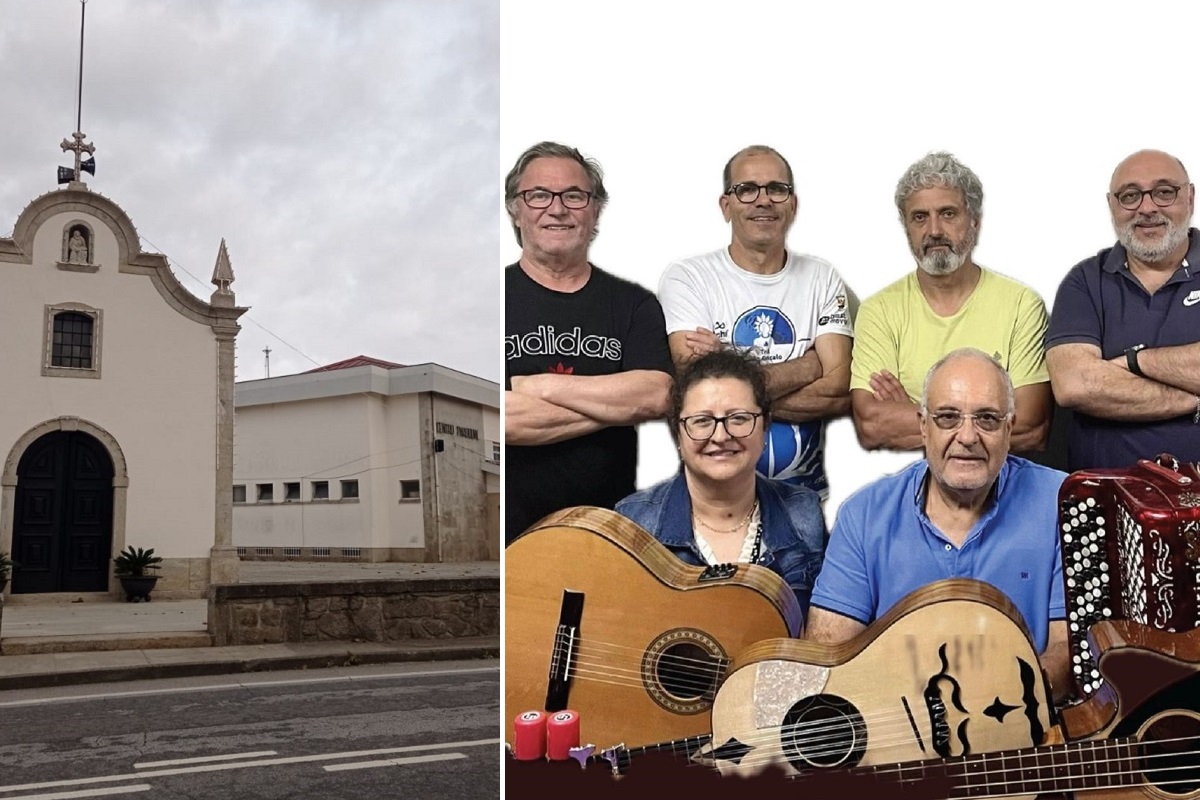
x: 599, y: 617
x: 1147, y: 746
x: 949, y: 671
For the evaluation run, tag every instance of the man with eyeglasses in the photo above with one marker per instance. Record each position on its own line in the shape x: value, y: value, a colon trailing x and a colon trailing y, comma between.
x: 1123, y: 345
x: 789, y: 310
x: 969, y: 509
x: 586, y: 355
x: 948, y: 302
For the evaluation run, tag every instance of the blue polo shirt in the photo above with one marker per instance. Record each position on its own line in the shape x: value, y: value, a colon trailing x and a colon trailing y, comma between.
x: 1101, y: 303
x: 883, y: 546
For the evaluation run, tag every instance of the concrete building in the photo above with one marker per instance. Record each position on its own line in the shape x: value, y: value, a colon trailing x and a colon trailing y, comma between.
x: 368, y: 460
x: 116, y: 420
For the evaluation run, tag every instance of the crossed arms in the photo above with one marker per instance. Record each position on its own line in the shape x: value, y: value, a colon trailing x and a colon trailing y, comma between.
x: 549, y: 408
x: 1083, y: 380
x: 814, y: 386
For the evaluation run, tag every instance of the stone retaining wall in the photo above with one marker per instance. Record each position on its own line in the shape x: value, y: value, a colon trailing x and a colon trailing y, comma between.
x: 354, y: 611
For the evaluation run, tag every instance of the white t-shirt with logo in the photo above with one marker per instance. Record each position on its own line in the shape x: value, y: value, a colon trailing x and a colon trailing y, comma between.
x: 777, y: 317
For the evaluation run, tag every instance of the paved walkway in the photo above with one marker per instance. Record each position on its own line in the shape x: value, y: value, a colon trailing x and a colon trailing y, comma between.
x: 168, y: 638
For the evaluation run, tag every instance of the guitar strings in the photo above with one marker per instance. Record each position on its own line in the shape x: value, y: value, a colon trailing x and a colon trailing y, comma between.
x: 882, y: 730
x: 1141, y: 761
x: 601, y: 660
x: 1135, y: 765
x: 957, y: 767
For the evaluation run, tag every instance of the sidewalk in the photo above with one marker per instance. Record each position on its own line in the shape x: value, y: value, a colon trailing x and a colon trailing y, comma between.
x: 65, y: 643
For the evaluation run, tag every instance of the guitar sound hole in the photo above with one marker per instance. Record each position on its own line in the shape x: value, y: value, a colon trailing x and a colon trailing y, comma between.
x: 686, y: 671
x: 823, y: 731
x: 1169, y: 758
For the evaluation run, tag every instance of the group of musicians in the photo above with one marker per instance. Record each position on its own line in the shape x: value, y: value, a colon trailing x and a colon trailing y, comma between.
x: 748, y: 351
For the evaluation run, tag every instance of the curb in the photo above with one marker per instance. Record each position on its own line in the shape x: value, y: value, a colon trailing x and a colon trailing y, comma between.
x: 442, y: 650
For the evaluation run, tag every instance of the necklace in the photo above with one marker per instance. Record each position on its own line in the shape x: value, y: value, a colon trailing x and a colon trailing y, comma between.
x: 740, y: 526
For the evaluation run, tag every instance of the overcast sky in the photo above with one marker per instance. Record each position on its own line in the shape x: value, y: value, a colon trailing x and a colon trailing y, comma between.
x: 345, y: 149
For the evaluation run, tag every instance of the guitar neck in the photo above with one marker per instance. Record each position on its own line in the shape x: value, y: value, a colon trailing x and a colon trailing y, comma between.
x: 620, y: 755
x: 1075, y: 766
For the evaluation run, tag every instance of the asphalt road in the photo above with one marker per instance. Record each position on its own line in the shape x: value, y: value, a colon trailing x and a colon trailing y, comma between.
x: 391, y: 731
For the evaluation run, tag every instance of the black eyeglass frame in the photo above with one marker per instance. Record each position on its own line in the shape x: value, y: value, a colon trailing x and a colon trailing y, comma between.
x: 758, y: 190
x: 562, y: 196
x: 723, y: 421
x: 1141, y: 193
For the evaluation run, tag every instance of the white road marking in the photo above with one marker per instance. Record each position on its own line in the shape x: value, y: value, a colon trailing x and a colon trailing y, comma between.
x: 269, y: 762
x: 249, y: 685
x: 393, y: 762
x: 141, y: 787
x: 174, y: 762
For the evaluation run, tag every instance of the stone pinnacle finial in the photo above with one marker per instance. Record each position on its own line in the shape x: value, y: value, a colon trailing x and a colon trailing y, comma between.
x: 222, y: 277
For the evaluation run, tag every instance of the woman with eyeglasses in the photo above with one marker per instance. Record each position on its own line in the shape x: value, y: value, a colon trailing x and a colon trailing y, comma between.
x: 717, y: 509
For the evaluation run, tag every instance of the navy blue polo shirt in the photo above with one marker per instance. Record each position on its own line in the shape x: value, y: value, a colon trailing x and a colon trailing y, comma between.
x: 1100, y: 302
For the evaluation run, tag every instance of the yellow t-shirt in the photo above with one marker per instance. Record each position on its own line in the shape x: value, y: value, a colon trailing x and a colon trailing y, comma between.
x: 896, y: 330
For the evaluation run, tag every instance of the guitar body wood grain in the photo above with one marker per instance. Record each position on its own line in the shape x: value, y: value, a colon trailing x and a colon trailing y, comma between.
x: 654, y: 639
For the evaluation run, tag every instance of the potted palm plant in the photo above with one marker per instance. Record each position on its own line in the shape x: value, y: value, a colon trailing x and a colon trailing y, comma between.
x: 137, y: 570
x: 6, y: 565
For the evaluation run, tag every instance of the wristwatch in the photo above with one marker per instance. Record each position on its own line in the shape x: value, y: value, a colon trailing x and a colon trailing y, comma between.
x: 1131, y: 359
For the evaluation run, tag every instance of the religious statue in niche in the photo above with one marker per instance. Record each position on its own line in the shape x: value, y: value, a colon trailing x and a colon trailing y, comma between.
x: 77, y: 248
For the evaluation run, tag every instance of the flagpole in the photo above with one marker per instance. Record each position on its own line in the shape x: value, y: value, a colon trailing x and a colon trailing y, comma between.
x: 79, y: 93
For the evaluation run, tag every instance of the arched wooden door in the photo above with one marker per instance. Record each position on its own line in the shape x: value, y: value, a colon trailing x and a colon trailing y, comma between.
x: 62, y: 524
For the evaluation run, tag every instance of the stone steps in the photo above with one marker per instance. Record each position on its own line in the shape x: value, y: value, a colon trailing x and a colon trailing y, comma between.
x: 81, y: 643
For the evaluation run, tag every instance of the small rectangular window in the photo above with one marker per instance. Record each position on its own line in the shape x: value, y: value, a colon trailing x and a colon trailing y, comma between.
x: 291, y: 491
x: 496, y: 452
x: 349, y: 489
x: 72, y: 344
x: 410, y: 490
x: 320, y: 490
x: 239, y: 493
x: 266, y: 492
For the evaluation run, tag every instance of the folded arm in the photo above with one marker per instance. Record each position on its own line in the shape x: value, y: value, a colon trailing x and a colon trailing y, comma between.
x: 828, y: 395
x: 1084, y: 381
x: 623, y: 398
x: 885, y: 417
x: 1177, y: 366
x: 530, y: 421
x: 1031, y: 428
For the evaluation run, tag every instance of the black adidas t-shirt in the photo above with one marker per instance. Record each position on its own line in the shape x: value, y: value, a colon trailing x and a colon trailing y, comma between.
x: 609, y: 326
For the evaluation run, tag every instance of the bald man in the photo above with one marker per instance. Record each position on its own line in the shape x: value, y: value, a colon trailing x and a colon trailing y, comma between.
x: 969, y: 509
x: 1123, y: 344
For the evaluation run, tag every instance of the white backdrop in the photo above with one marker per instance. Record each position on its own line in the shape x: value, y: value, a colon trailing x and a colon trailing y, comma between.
x: 1041, y: 100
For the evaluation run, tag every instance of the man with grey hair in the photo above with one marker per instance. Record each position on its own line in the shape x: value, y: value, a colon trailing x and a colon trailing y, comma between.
x: 789, y: 310
x: 585, y: 352
x: 1123, y: 345
x: 969, y: 509
x: 947, y: 302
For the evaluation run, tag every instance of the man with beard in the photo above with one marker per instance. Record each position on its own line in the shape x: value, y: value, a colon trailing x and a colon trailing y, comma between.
x: 790, y: 311
x: 947, y: 303
x: 1123, y: 345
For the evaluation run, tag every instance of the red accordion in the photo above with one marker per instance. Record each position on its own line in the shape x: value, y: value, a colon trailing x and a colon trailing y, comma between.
x: 1131, y: 550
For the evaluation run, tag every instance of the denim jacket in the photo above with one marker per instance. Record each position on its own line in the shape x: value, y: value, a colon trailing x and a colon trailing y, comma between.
x: 793, y: 528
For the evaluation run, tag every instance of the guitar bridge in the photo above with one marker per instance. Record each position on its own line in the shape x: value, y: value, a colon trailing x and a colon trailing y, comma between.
x: 562, y: 656
x: 718, y: 572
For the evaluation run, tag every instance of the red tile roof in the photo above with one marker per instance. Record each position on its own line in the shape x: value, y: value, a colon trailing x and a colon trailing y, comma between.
x: 356, y: 361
